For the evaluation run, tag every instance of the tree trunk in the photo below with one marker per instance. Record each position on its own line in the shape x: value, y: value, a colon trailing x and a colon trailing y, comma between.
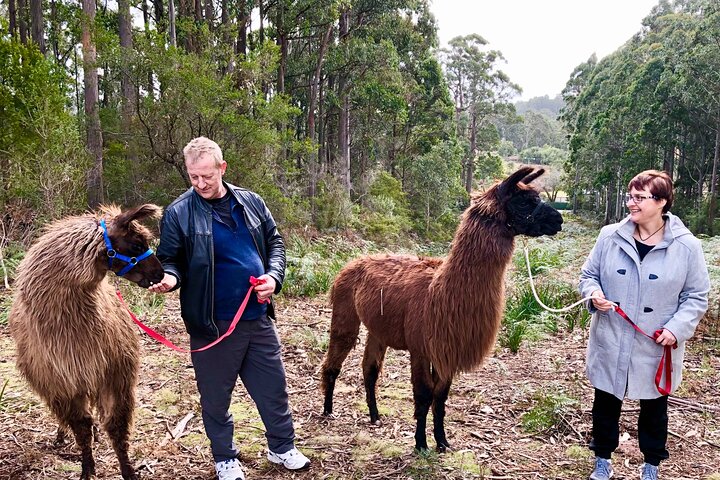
x: 242, y: 20
x: 55, y: 30
x: 171, y: 15
x: 146, y: 23
x: 210, y: 14
x: 261, y: 19
x: 469, y: 166
x: 92, y: 117
x: 37, y: 24
x: 22, y: 20
x: 12, y: 14
x: 128, y: 90
x: 312, y: 102
x: 282, y: 42
x: 161, y: 23
x: 198, y: 12
x: 344, y: 119
x: 713, y: 180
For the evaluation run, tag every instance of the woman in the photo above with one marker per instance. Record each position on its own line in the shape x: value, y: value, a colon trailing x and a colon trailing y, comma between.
x: 653, y: 268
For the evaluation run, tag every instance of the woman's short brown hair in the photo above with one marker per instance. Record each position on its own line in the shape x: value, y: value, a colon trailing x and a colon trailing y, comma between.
x: 659, y: 183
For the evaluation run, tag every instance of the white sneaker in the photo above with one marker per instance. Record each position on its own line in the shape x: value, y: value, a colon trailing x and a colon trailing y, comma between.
x: 292, y: 459
x: 229, y: 470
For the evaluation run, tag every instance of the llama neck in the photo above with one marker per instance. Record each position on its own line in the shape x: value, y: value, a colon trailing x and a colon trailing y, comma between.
x: 69, y: 255
x: 467, y: 296
x: 479, y: 255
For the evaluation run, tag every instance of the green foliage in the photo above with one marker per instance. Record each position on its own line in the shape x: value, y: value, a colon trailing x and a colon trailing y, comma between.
x: 651, y: 104
x: 312, y: 264
x: 41, y: 154
x: 5, y: 304
x: 146, y: 305
x: 11, y: 254
x: 333, y: 207
x: 541, y: 261
x: 547, y: 413
x: 506, y: 148
x: 434, y: 190
x: 387, y: 217
x: 525, y: 318
x: 489, y: 166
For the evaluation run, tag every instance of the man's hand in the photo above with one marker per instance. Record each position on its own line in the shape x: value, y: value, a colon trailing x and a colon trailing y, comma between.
x: 600, y: 302
x: 165, y: 285
x: 666, y: 338
x: 265, y: 290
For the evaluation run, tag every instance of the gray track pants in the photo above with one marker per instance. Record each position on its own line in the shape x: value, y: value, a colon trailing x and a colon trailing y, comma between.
x: 252, y: 353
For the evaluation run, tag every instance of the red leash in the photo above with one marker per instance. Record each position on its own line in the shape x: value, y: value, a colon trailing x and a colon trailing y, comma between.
x: 665, y: 361
x: 253, y: 281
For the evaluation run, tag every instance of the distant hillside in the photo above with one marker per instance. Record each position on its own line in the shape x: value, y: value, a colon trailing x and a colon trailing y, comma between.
x: 545, y: 105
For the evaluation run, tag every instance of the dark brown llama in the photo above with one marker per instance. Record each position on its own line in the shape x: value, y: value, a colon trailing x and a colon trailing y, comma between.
x: 76, y: 343
x: 446, y: 313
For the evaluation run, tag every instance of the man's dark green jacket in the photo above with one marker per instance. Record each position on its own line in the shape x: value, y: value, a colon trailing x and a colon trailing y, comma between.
x: 186, y: 251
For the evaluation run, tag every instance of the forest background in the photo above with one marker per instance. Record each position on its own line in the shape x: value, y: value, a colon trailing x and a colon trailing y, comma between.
x: 342, y: 115
x: 361, y: 133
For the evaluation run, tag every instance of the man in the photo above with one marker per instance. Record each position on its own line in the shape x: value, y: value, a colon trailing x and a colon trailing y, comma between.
x: 214, y: 237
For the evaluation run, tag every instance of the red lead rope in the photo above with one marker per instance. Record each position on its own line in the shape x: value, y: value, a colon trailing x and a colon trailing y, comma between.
x: 665, y: 361
x: 253, y: 281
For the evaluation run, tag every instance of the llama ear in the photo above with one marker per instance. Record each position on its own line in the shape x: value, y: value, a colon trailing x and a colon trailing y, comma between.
x: 509, y: 184
x: 533, y: 176
x: 138, y: 213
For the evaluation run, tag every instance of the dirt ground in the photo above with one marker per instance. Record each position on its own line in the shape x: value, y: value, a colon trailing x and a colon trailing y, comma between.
x: 484, y: 416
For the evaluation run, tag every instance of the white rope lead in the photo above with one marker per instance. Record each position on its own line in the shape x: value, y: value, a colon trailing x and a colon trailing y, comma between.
x: 537, y: 298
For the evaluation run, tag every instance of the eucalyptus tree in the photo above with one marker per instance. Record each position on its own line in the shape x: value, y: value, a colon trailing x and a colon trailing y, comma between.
x: 651, y: 104
x: 93, y: 128
x: 479, y: 88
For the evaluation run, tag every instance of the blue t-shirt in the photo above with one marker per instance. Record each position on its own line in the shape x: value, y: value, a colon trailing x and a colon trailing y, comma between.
x: 236, y: 259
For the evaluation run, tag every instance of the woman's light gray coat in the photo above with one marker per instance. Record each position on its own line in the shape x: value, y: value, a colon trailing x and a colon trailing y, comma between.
x: 668, y: 289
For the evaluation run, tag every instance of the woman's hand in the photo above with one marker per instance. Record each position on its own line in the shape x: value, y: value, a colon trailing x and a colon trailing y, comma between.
x: 600, y: 302
x: 666, y: 338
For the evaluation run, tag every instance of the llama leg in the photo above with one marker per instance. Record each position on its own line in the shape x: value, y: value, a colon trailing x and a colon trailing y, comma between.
x: 61, y: 437
x: 372, y: 366
x: 118, y: 404
x: 76, y: 414
x: 343, y: 337
x: 422, y: 396
x: 440, y: 394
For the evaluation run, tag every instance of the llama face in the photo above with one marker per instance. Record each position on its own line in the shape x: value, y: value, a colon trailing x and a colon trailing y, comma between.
x: 133, y: 244
x: 130, y: 238
x: 526, y: 213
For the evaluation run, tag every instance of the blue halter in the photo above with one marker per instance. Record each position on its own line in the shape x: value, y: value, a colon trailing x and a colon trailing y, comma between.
x: 112, y: 254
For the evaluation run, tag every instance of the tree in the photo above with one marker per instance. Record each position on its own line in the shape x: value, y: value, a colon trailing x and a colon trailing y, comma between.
x: 93, y: 129
x: 480, y: 90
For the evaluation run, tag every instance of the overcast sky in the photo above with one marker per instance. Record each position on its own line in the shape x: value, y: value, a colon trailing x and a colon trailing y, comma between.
x: 543, y: 40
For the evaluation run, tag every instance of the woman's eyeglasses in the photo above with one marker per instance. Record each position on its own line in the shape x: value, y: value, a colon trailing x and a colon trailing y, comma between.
x: 638, y: 199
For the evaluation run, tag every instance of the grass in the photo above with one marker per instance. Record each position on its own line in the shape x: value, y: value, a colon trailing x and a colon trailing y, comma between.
x: 547, y: 412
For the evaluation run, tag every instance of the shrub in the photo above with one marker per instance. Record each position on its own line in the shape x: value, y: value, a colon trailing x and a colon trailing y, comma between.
x: 547, y: 412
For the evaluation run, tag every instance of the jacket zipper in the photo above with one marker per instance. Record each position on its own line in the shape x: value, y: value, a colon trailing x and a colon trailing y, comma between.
x: 212, y: 277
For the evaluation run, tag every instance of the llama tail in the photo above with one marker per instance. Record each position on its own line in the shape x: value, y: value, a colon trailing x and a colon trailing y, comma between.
x: 344, y: 330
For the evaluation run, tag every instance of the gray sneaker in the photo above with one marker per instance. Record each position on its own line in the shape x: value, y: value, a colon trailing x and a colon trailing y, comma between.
x: 603, y: 469
x: 649, y: 472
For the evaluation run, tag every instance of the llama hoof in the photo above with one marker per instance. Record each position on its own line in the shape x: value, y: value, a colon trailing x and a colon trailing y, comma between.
x: 60, y: 440
x: 442, y: 447
x: 376, y: 423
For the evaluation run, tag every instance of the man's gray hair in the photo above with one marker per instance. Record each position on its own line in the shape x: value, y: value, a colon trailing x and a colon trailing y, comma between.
x: 200, y: 146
